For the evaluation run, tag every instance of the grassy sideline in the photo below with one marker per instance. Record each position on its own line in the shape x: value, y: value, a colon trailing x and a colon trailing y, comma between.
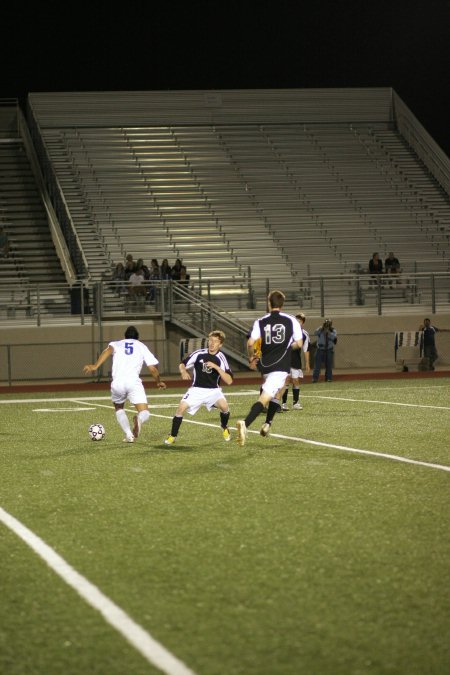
x: 276, y: 558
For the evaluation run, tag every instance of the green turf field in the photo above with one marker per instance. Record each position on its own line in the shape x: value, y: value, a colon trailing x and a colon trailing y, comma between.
x: 316, y: 550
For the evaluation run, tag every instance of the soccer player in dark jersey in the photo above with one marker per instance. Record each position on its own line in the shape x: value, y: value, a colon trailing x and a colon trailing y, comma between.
x: 296, y: 369
x: 210, y: 367
x: 279, y: 333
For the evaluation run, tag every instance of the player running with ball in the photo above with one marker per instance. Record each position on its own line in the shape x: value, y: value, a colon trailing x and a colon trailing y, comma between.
x: 128, y: 356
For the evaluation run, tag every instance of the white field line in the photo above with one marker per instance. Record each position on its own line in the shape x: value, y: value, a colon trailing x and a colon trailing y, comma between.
x: 322, y: 444
x: 228, y: 394
x: 152, y: 397
x: 373, y: 453
x: 365, y: 400
x: 142, y: 641
x: 397, y: 458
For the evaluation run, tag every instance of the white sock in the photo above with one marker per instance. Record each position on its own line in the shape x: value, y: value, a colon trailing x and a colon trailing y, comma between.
x: 124, y: 423
x: 143, y: 416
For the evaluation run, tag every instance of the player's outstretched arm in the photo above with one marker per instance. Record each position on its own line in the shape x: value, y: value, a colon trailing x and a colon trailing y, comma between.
x: 154, y: 372
x: 91, y: 368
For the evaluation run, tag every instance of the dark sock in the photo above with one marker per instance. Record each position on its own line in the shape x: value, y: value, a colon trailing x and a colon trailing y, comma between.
x: 176, y: 424
x: 274, y: 407
x: 224, y: 417
x: 285, y: 395
x: 255, y: 410
x: 295, y: 394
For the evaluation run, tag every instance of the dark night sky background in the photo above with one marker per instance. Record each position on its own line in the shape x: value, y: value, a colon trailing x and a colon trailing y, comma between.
x: 234, y: 45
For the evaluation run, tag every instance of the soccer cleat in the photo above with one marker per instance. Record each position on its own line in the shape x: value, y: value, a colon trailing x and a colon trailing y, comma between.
x: 297, y: 406
x: 128, y: 439
x: 284, y: 407
x: 226, y: 434
x: 137, y: 424
x: 170, y: 440
x: 265, y: 429
x: 241, y: 432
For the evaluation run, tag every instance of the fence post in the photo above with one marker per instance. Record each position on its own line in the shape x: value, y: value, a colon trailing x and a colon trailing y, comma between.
x: 8, y: 358
x: 163, y: 320
x: 38, y: 303
x: 82, y: 302
x: 433, y: 294
x: 322, y: 297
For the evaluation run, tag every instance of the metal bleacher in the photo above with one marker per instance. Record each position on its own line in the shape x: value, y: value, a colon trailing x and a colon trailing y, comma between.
x: 32, y: 260
x: 161, y: 193
x: 244, y: 197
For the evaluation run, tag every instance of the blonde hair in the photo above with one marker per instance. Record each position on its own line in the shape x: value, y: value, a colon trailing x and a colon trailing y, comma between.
x: 218, y: 334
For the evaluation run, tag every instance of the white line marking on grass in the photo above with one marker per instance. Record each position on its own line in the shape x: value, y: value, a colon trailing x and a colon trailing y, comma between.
x: 67, y: 399
x: 52, y: 410
x: 345, y: 448
x: 143, y: 642
x: 291, y: 438
x: 365, y: 400
x: 373, y: 453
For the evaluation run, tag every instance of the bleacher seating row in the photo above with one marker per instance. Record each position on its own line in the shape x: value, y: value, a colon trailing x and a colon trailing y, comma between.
x: 268, y: 200
x: 283, y: 200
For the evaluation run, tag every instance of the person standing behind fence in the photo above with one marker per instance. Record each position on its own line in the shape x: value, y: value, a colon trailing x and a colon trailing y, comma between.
x: 429, y: 342
x: 326, y: 340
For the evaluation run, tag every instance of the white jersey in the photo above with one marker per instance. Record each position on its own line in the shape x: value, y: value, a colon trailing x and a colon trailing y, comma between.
x: 128, y: 357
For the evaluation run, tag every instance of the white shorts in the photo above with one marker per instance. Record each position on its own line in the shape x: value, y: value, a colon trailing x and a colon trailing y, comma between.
x: 273, y: 382
x: 195, y: 397
x: 133, y: 391
x: 296, y: 373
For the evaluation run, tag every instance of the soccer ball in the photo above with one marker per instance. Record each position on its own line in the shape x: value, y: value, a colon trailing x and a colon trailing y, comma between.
x: 97, y: 432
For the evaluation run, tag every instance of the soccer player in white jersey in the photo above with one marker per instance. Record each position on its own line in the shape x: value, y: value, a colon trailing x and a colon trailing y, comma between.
x: 210, y: 368
x: 128, y: 357
x: 279, y: 333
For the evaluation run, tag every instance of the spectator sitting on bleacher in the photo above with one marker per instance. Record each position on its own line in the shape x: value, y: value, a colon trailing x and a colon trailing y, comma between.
x: 392, y: 267
x: 118, y: 279
x: 375, y: 267
x: 176, y: 270
x: 155, y: 275
x: 184, y: 276
x: 141, y: 266
x: 166, y: 270
x: 130, y: 266
x: 136, y: 285
x: 4, y: 244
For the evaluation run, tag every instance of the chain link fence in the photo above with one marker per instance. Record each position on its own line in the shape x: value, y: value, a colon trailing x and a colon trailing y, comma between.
x: 64, y: 361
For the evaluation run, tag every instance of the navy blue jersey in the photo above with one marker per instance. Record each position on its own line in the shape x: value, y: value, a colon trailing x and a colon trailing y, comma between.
x: 277, y: 331
x: 429, y: 334
x: 207, y: 378
x: 296, y: 354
